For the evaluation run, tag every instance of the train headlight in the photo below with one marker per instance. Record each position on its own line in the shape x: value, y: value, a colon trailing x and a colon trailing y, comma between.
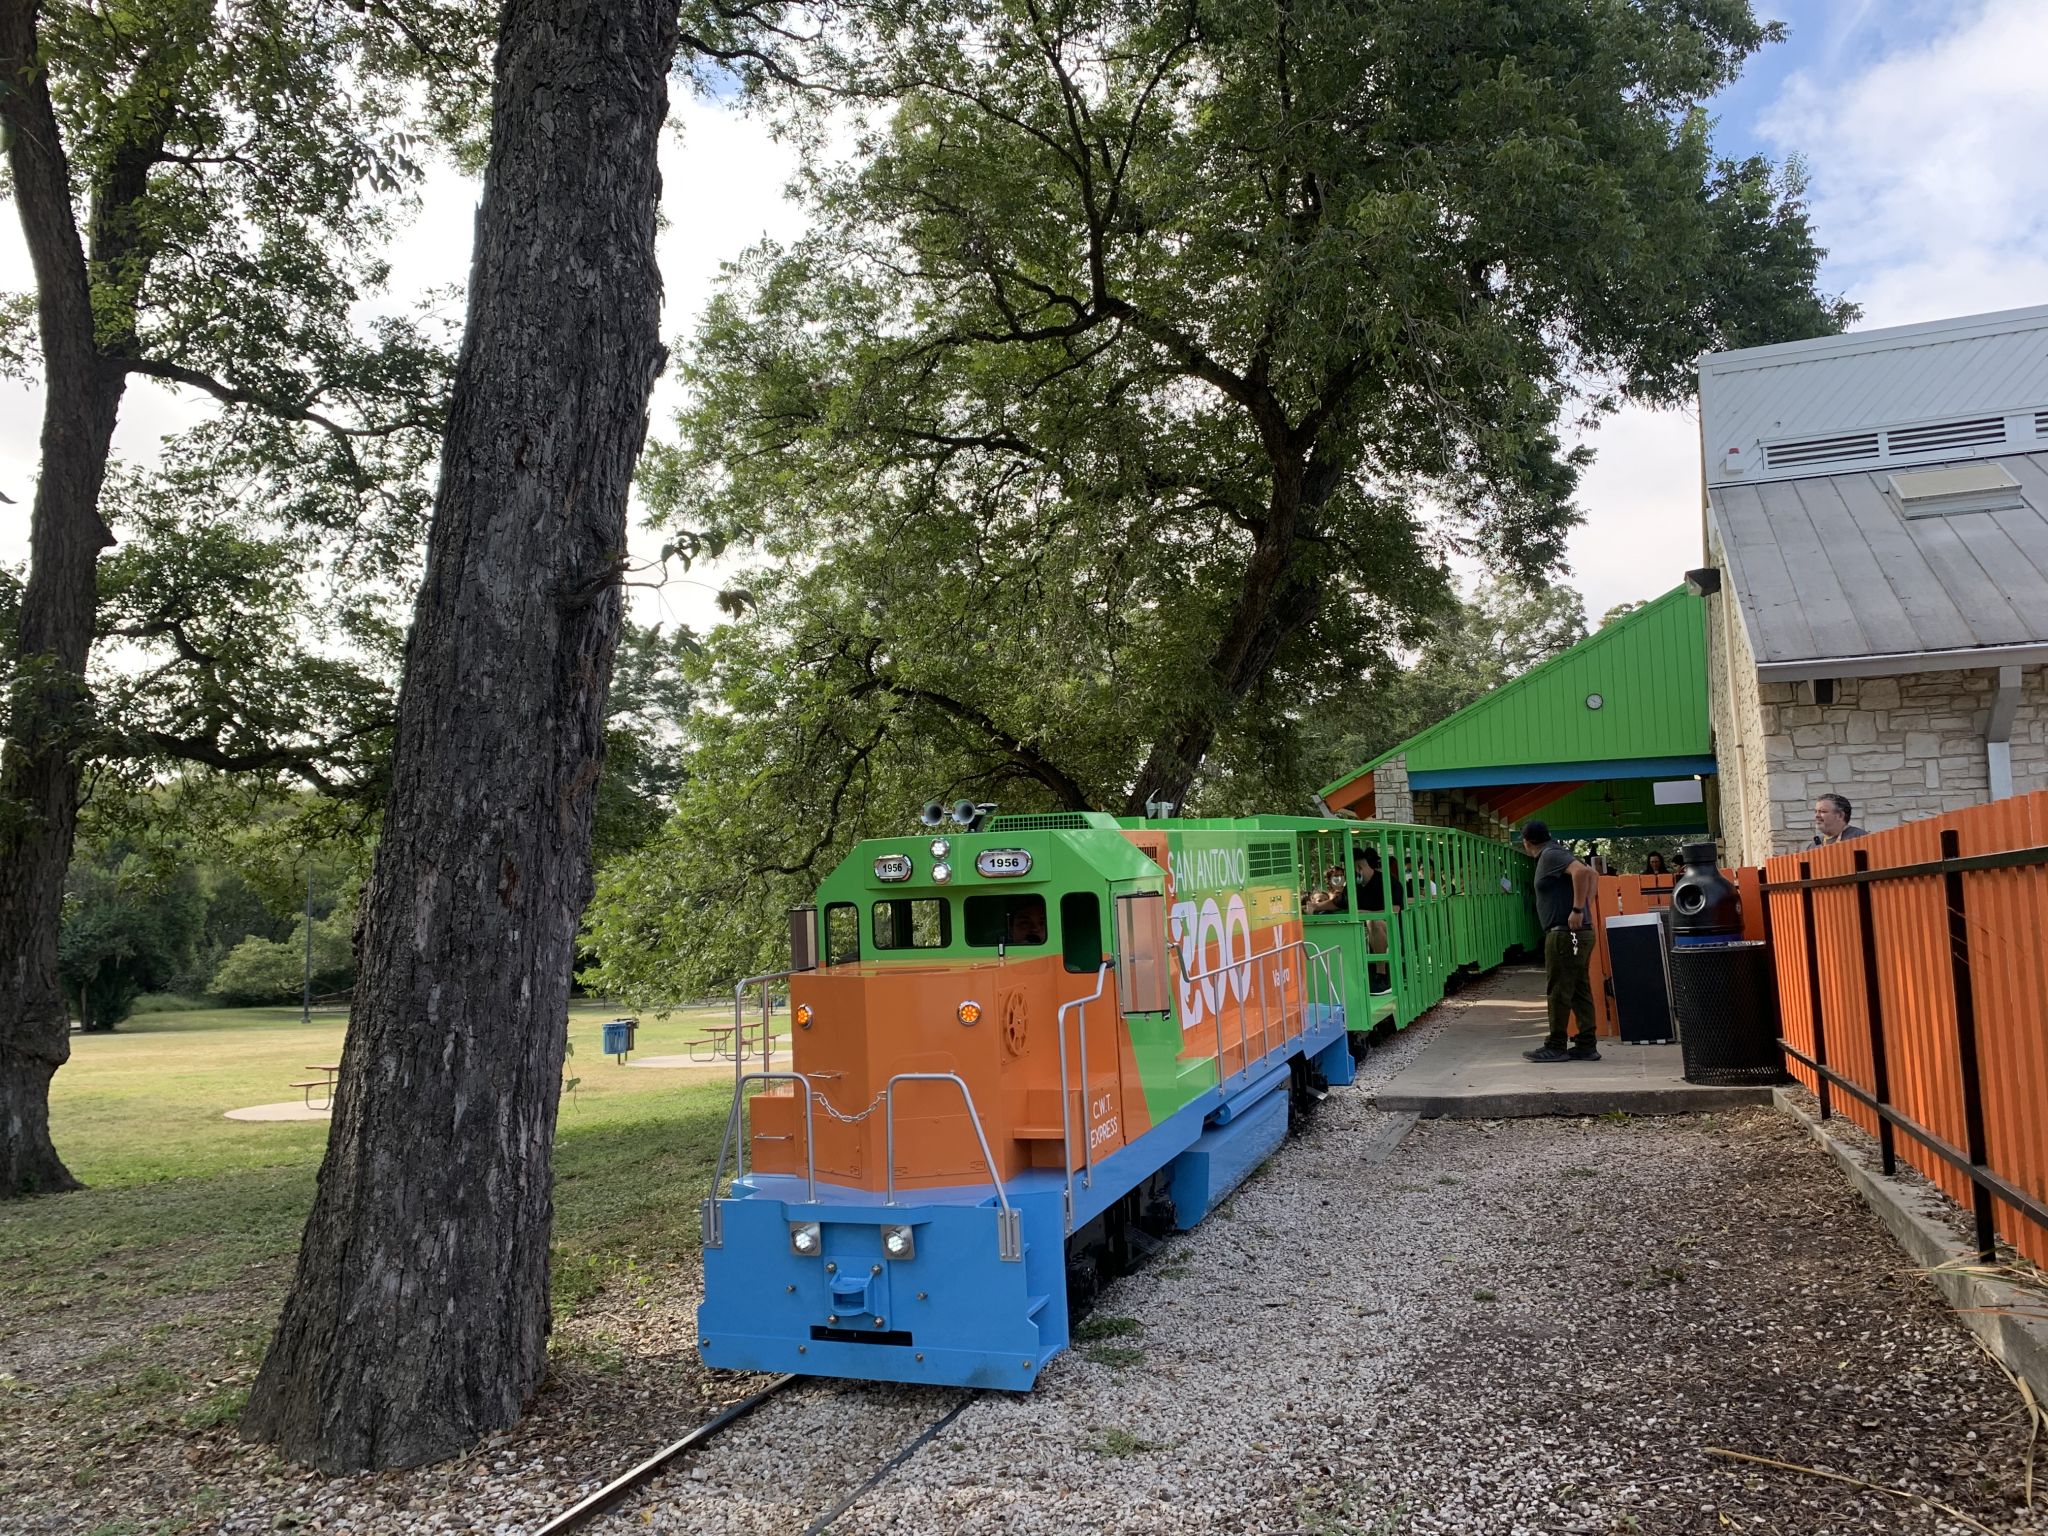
x: 941, y: 873
x: 940, y: 847
x: 804, y: 1015
x: 969, y: 1012
x: 806, y: 1238
x: 899, y: 1242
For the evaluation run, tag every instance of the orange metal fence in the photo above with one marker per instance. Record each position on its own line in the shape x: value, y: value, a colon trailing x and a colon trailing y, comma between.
x: 1913, y: 967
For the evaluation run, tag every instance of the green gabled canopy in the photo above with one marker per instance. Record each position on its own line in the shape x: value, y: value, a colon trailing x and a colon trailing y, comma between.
x: 1625, y: 706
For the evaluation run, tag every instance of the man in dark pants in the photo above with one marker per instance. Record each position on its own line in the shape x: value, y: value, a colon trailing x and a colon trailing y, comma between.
x: 1565, y: 889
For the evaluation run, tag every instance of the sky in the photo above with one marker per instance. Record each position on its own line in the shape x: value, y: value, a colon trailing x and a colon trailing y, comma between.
x: 1919, y: 125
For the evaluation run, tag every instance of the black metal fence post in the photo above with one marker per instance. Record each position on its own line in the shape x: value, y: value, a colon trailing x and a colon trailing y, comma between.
x: 1820, y: 1038
x: 1873, y: 1013
x: 1966, y: 1047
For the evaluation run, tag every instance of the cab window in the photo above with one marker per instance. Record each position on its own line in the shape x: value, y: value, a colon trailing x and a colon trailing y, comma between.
x: 913, y: 922
x: 1015, y: 920
x: 842, y: 933
x: 1081, y: 932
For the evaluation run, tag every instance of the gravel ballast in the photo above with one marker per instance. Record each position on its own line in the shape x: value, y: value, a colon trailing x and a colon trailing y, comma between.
x: 1533, y: 1326
x: 1510, y: 1327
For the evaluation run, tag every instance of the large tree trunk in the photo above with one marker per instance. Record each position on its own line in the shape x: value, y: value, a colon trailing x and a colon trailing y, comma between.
x: 418, y: 1317
x: 47, y: 712
x: 1274, y: 603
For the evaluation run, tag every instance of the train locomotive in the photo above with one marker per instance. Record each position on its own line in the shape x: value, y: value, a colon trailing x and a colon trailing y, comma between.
x: 1022, y: 1049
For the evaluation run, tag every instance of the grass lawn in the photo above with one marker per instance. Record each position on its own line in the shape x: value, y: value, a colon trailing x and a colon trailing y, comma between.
x: 181, y: 1201
x: 134, y: 1312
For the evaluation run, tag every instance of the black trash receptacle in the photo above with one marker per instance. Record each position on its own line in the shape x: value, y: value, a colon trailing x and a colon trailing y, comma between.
x: 1726, y: 1004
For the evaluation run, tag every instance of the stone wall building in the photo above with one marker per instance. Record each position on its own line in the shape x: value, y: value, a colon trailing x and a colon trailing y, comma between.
x: 1877, y: 573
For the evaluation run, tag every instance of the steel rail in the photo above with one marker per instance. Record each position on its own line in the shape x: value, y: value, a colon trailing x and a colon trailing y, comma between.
x: 586, y: 1510
x: 903, y: 1454
x: 613, y: 1493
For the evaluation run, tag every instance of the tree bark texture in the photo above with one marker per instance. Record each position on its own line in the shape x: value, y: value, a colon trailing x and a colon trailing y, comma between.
x: 418, y: 1317
x: 48, y: 711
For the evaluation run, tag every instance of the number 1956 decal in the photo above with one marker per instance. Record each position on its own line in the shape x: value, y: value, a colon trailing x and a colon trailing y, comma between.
x: 997, y: 862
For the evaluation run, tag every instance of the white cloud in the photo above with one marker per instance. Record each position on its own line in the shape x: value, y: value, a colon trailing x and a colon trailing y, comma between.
x: 1641, y: 497
x: 1931, y: 193
x: 1929, y: 186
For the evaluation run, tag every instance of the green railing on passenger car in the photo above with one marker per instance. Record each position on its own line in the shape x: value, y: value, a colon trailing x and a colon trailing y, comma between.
x: 1464, y: 901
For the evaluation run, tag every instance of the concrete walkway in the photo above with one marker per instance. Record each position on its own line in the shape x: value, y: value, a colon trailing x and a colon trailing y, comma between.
x: 1473, y: 1069
x: 291, y: 1109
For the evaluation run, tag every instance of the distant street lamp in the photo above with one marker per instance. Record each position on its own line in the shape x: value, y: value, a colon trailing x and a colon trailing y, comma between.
x: 306, y: 996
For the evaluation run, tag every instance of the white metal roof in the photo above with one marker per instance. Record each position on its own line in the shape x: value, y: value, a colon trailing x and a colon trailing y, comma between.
x: 1973, y: 387
x: 1833, y: 580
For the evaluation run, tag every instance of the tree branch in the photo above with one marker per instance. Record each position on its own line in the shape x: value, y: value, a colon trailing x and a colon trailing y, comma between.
x: 1027, y: 757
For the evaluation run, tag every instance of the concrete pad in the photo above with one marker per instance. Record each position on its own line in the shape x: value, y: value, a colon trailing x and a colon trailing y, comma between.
x: 291, y: 1109
x: 2008, y: 1319
x: 682, y: 1063
x: 1473, y: 1069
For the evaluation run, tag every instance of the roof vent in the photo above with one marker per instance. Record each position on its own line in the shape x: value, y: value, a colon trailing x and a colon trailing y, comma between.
x: 1954, y: 489
x: 1940, y: 436
x: 1845, y: 448
x: 1051, y: 821
x: 1960, y: 438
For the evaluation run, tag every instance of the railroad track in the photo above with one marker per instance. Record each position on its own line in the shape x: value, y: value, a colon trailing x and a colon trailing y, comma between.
x: 627, y: 1483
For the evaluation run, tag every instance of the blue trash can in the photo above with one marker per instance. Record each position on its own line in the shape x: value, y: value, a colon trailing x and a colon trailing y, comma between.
x: 618, y: 1037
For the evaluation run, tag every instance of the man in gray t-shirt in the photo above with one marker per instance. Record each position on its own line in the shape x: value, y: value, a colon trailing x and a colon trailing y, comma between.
x: 1831, y: 823
x: 1564, y: 909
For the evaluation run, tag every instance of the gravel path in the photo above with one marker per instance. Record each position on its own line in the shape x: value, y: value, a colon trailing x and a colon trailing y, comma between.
x: 1519, y: 1327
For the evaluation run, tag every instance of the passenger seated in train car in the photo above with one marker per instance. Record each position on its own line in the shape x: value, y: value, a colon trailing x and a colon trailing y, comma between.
x: 1330, y: 897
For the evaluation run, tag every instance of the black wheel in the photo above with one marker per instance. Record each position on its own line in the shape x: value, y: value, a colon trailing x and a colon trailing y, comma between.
x: 1306, y: 1088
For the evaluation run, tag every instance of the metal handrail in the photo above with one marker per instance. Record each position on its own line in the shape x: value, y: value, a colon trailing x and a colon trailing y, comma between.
x: 889, y: 1129
x: 1066, y: 1109
x: 712, y: 1220
x: 1312, y: 955
x: 739, y: 1028
x: 1009, y: 1231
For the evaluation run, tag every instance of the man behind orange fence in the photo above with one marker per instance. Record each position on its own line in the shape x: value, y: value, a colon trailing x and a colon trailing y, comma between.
x: 1831, y: 814
x: 1565, y: 889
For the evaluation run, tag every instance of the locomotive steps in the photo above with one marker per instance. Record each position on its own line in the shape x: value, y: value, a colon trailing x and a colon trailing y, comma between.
x: 1473, y: 1069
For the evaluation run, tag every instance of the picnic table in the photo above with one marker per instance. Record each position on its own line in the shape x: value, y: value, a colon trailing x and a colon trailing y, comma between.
x: 721, y: 1040
x: 329, y: 1073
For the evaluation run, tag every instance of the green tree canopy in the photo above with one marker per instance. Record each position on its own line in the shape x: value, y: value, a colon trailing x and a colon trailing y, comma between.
x: 128, y: 929
x: 1109, y: 435
x: 204, y: 190
x: 1145, y: 355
